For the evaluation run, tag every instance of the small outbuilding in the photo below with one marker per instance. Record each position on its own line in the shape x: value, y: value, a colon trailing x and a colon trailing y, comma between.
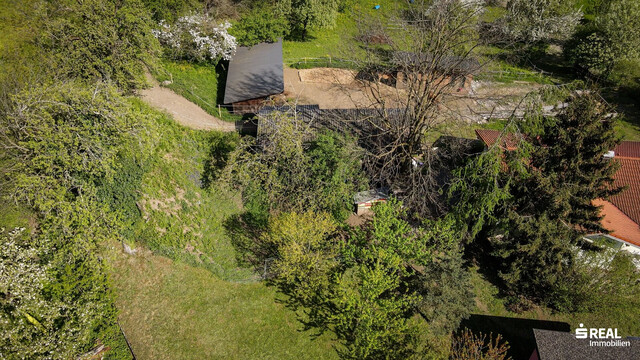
x: 255, y: 75
x: 364, y: 200
x: 454, y: 70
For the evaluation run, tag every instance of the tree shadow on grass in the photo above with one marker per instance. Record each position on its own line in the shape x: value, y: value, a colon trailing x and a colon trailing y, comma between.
x: 246, y: 233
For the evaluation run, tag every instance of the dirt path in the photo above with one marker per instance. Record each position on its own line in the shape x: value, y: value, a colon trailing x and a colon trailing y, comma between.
x: 183, y: 111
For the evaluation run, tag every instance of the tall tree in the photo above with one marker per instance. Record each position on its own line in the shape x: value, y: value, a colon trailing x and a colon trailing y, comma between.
x: 552, y: 198
x: 428, y: 53
x: 570, y: 155
x: 305, y: 14
x: 369, y: 284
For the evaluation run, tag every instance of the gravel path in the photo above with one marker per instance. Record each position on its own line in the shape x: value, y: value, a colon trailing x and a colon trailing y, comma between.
x: 183, y: 111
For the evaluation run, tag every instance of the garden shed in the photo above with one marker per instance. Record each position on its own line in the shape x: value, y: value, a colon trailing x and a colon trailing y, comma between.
x: 364, y: 200
x: 255, y: 74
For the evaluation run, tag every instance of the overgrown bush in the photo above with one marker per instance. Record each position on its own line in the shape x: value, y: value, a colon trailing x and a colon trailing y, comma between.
x: 594, y: 54
x: 470, y: 346
x: 293, y: 168
x: 66, y: 139
x: 100, y: 40
x: 602, y: 278
x: 612, y: 38
x: 531, y: 21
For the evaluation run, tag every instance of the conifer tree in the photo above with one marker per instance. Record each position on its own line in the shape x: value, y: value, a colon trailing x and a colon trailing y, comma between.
x: 550, y: 205
x: 570, y: 156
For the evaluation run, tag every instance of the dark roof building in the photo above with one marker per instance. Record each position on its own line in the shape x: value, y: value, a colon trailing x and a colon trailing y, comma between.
x: 255, y: 72
x: 558, y: 345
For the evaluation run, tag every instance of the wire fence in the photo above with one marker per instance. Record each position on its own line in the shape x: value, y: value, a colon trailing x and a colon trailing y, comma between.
x: 327, y: 61
x: 504, y: 73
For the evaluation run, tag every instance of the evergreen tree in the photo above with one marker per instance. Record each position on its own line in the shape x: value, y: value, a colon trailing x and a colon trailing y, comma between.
x: 534, y: 203
x: 569, y: 157
x: 552, y: 199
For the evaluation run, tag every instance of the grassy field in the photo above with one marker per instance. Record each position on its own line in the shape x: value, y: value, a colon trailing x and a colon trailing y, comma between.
x: 171, y: 310
x: 179, y: 218
x: 184, y: 296
x: 338, y: 41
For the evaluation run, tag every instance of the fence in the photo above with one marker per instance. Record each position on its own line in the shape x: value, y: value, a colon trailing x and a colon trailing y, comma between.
x: 328, y: 61
x: 133, y: 356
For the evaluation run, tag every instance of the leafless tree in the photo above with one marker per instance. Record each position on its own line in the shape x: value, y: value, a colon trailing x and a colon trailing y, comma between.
x: 413, y: 60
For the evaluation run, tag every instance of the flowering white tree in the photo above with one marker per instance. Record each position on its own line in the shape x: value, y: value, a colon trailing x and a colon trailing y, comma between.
x: 197, y: 37
x: 22, y: 278
x: 531, y: 21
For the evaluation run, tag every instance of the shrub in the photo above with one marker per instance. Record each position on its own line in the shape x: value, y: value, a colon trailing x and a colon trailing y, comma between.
x: 292, y: 168
x: 532, y: 21
x: 469, y: 346
x: 262, y: 24
x: 106, y: 40
x: 594, y: 54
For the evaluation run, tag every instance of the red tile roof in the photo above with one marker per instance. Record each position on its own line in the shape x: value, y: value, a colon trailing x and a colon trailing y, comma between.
x: 620, y: 225
x: 628, y: 201
x: 628, y: 149
x: 489, y: 137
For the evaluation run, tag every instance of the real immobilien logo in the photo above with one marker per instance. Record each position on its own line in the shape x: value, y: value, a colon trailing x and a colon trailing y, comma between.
x: 601, y: 336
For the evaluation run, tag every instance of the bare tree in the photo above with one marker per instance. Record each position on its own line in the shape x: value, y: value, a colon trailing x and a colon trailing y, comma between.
x: 425, y: 51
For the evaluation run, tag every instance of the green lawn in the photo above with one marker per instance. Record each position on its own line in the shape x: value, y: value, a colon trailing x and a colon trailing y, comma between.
x: 171, y: 310
x: 202, y: 84
x: 630, y: 131
x: 338, y: 41
x: 489, y: 302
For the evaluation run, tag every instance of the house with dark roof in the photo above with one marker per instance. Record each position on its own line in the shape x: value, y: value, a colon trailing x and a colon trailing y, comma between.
x: 255, y: 75
x: 621, y: 213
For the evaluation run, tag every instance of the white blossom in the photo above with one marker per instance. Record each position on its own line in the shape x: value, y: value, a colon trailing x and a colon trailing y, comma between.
x: 197, y: 37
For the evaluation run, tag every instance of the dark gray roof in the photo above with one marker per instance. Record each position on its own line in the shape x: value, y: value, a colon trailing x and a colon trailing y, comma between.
x: 557, y: 345
x: 255, y: 72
